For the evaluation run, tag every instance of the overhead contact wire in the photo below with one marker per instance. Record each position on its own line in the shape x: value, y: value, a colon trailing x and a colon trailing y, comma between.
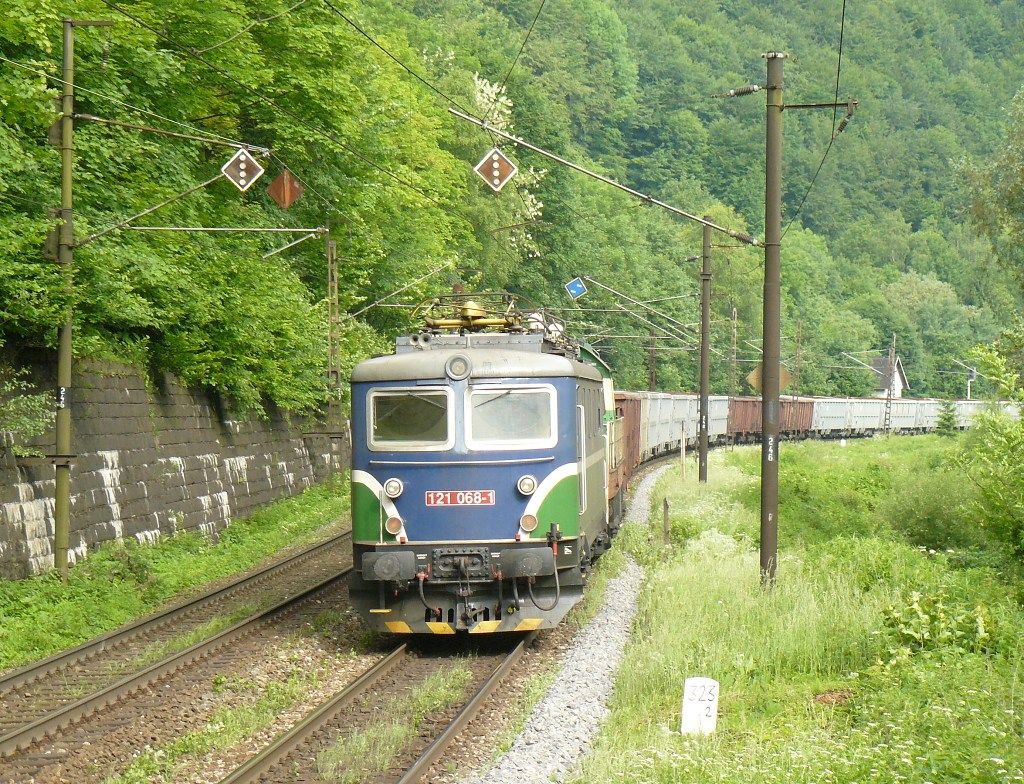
x: 835, y: 111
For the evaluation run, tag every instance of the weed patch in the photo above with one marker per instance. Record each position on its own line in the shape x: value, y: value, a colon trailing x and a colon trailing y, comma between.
x: 373, y: 750
x: 226, y: 728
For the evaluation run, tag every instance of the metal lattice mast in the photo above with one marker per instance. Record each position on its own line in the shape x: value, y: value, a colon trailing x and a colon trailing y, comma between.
x: 887, y: 424
x: 733, y: 372
x: 334, y: 417
x: 652, y: 367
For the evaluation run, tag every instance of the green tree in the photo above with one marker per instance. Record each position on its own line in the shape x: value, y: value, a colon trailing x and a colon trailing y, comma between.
x: 946, y: 424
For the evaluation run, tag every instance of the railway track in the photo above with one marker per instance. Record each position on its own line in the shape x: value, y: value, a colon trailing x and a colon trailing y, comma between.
x: 295, y: 755
x: 43, y: 698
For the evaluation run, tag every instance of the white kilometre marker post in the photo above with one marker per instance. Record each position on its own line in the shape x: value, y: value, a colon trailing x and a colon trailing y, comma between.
x: 700, y: 706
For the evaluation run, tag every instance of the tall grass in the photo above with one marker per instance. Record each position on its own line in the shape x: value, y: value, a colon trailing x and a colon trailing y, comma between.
x: 873, y: 658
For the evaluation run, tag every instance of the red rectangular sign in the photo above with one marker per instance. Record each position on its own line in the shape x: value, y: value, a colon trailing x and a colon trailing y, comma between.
x: 460, y: 498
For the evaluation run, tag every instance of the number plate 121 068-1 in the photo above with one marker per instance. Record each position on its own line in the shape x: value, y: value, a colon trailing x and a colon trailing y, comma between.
x: 460, y: 498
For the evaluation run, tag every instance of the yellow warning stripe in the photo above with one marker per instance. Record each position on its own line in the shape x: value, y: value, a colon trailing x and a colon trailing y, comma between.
x: 485, y: 627
x: 528, y: 624
x: 398, y: 627
x: 378, y: 610
x: 437, y: 627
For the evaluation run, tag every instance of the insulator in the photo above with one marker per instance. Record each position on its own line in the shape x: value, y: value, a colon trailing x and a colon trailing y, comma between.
x: 747, y: 90
x: 842, y: 124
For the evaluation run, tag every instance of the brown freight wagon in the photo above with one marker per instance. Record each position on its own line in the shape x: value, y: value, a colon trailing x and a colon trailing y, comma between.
x: 796, y: 416
x: 627, y: 406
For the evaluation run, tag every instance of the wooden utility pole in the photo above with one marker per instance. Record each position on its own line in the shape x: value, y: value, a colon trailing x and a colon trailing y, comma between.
x: 772, y: 311
x: 705, y: 355
x: 798, y: 359
x: 733, y: 374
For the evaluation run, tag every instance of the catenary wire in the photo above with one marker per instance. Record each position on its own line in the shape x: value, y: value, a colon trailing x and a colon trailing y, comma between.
x: 419, y: 78
x: 832, y: 139
x: 123, y: 104
x: 519, y: 54
x: 250, y: 26
x: 331, y: 137
x: 351, y: 23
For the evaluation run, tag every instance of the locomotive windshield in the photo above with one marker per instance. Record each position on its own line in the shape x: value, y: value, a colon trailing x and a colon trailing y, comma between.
x: 510, y: 417
x: 409, y: 419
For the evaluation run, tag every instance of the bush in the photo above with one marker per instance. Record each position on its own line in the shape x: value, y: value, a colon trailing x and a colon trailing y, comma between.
x: 935, y: 509
x: 24, y: 413
x: 993, y: 465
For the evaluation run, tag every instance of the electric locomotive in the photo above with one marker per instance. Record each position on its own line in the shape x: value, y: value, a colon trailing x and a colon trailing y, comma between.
x: 479, y: 473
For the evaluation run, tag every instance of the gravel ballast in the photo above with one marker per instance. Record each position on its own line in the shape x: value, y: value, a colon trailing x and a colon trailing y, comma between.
x: 560, y: 728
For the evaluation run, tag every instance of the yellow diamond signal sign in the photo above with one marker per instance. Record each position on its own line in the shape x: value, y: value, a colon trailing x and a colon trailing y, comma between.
x: 243, y: 170
x: 496, y: 169
x: 754, y: 378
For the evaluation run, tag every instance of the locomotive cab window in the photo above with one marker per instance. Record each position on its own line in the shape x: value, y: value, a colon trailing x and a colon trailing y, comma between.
x: 510, y: 417
x: 410, y: 419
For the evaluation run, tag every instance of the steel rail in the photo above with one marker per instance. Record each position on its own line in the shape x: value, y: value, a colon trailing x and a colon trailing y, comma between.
x: 44, y: 726
x: 257, y: 767
x: 437, y: 747
x: 36, y: 670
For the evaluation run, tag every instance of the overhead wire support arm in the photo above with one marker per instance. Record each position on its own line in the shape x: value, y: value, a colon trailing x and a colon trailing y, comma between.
x: 319, y: 232
x: 127, y: 221
x: 738, y: 91
x: 863, y: 364
x: 236, y: 229
x: 670, y: 333
x: 409, y: 285
x: 736, y: 235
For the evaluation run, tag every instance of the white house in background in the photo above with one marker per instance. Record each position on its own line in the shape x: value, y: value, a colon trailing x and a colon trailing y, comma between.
x: 881, y: 367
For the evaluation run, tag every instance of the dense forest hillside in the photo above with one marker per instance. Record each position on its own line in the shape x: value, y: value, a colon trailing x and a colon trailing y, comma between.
x: 352, y: 97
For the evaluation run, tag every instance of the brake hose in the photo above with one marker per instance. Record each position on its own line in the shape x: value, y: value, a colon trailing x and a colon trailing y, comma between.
x: 421, y: 578
x: 558, y: 592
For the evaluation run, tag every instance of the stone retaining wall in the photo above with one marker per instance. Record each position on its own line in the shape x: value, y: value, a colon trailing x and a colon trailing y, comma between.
x: 154, y: 461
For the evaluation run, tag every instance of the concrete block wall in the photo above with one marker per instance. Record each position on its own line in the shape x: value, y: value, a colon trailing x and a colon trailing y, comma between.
x: 153, y: 461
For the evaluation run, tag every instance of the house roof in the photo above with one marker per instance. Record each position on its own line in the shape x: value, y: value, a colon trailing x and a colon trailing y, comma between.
x: 881, y: 367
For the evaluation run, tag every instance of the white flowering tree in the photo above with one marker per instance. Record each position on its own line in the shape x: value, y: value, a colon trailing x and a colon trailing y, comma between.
x: 494, y: 105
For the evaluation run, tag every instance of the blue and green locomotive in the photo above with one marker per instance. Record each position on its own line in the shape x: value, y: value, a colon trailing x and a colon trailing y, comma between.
x: 479, y: 476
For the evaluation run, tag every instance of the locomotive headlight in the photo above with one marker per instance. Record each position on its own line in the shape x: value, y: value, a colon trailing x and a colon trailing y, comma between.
x: 458, y: 367
x: 393, y: 525
x: 528, y: 522
x: 527, y: 484
x: 393, y: 487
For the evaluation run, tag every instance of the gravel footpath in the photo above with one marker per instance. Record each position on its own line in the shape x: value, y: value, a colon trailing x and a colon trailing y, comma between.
x: 560, y: 728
